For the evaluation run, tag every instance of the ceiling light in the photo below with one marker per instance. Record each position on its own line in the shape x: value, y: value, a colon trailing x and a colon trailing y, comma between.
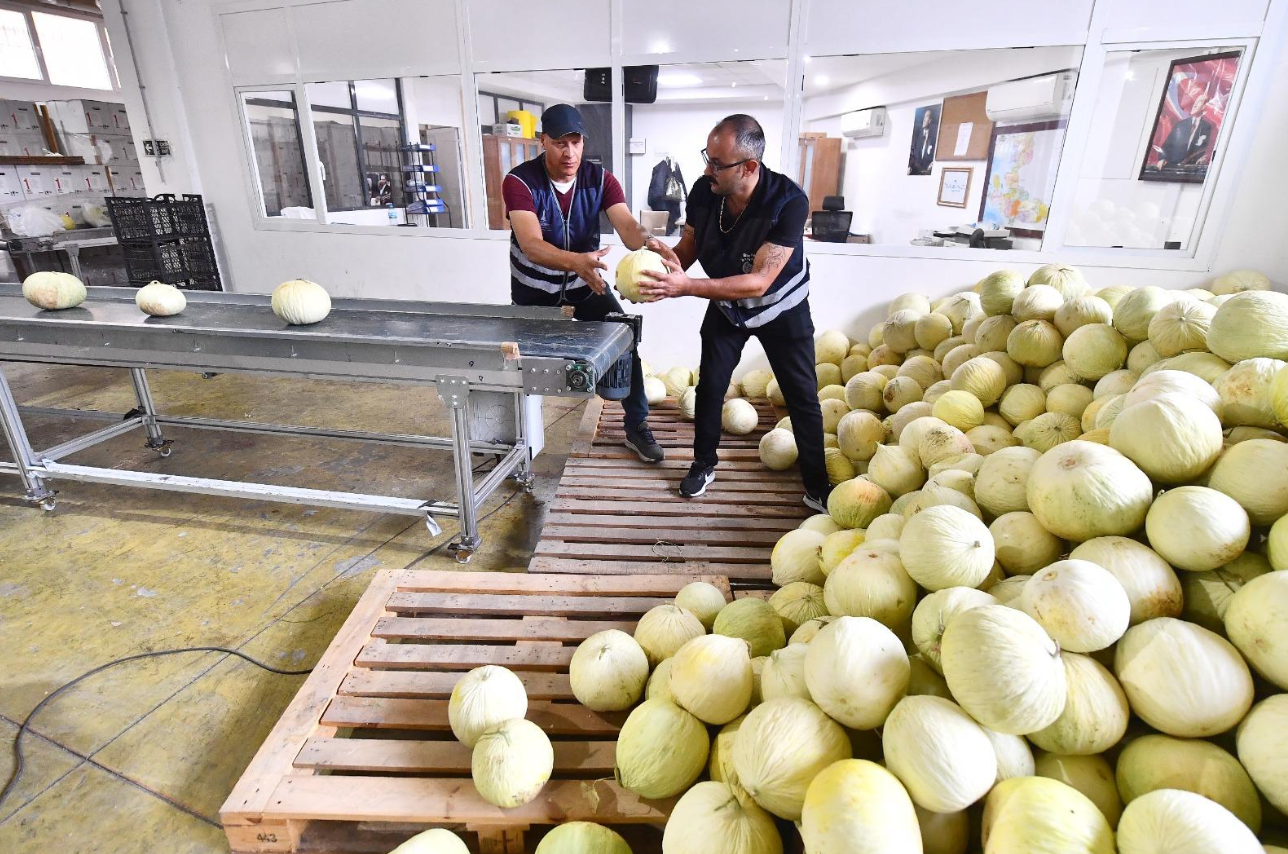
x: 820, y: 79
x: 807, y: 59
x: 733, y: 85
x: 678, y: 80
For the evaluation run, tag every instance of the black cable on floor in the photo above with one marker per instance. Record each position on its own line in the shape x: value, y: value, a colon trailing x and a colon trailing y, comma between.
x: 17, y: 742
x: 23, y: 727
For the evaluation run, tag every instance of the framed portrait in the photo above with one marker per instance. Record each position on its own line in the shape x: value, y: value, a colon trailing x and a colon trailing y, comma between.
x: 1020, y: 176
x: 925, y: 139
x: 1190, y: 113
x: 954, y: 186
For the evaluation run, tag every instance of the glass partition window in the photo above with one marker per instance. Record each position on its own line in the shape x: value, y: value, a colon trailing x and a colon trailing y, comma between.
x: 273, y: 125
x: 664, y: 153
x: 926, y: 148
x: 518, y: 100
x: 1159, y: 122
x: 358, y: 125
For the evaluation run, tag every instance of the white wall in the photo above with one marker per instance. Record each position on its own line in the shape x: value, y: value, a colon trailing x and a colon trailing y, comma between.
x: 889, y: 205
x: 849, y: 292
x: 681, y: 129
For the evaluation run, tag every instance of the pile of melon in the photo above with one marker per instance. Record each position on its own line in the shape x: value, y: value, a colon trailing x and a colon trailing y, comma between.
x: 1047, y: 610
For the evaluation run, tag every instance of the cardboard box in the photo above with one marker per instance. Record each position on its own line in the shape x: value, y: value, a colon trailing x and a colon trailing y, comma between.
x: 21, y: 115
x: 67, y: 179
x: 22, y: 144
x: 36, y: 181
x: 95, y: 179
x: 121, y: 119
x: 85, y: 116
x: 10, y: 185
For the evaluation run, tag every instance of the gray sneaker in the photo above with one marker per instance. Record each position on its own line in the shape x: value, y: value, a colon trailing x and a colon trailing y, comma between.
x: 640, y: 440
x: 814, y: 503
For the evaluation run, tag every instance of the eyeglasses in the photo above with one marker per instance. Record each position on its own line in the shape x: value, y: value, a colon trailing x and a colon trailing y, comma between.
x: 717, y: 166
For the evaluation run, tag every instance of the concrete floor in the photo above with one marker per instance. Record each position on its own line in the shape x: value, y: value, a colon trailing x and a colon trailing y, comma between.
x: 140, y: 758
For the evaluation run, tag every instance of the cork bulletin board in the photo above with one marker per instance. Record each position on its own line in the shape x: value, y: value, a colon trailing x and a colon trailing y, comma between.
x: 964, y: 128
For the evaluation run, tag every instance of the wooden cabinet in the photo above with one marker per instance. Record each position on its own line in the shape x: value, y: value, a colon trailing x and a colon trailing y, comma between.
x: 819, y: 167
x: 500, y: 155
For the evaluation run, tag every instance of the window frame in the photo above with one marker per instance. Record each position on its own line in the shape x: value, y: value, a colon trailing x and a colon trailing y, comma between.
x: 355, y: 115
x: 63, y: 12
x: 1096, y: 39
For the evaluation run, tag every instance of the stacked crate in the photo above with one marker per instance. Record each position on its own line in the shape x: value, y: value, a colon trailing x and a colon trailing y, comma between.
x: 165, y: 239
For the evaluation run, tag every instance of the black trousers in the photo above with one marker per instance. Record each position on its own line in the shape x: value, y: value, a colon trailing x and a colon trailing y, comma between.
x: 789, y: 343
x: 588, y: 305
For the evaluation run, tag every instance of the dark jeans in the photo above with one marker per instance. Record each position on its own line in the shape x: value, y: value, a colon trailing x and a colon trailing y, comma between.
x: 588, y: 305
x: 789, y: 343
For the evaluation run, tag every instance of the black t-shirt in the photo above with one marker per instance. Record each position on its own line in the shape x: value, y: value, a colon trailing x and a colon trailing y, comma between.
x: 775, y: 214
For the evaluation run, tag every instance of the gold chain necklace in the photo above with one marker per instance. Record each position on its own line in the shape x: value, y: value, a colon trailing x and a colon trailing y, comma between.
x: 724, y: 230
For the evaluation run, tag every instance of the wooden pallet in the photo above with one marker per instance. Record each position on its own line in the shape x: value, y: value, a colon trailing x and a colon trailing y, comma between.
x: 615, y: 515
x: 364, y: 757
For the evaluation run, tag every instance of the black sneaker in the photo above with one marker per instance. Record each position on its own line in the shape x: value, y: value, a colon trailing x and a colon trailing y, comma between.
x: 640, y: 440
x: 697, y: 480
x: 819, y: 504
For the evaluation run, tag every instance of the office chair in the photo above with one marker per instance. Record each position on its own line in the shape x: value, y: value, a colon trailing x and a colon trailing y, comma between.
x: 832, y: 224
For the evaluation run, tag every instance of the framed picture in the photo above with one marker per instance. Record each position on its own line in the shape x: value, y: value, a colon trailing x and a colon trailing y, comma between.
x: 925, y: 138
x: 1190, y: 113
x: 954, y: 186
x: 1020, y: 176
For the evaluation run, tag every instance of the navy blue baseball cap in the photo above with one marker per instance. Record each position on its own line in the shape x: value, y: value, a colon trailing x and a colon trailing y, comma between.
x: 561, y: 120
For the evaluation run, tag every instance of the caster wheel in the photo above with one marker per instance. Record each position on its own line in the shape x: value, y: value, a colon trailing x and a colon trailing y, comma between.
x: 48, y: 505
x: 164, y: 452
x: 461, y: 553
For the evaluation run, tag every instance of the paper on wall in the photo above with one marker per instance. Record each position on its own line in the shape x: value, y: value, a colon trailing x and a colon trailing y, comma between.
x: 963, y: 139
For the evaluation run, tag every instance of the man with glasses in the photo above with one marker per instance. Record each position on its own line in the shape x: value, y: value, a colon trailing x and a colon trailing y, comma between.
x: 553, y: 203
x: 746, y: 224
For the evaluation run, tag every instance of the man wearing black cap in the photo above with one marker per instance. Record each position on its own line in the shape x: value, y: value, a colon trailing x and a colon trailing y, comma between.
x: 745, y: 223
x: 553, y: 203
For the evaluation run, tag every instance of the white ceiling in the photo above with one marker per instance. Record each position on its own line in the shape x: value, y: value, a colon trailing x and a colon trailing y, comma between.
x: 829, y: 73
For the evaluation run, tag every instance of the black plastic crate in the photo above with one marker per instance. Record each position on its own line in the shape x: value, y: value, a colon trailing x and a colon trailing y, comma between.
x: 184, y: 263
x: 165, y: 239
x: 162, y: 216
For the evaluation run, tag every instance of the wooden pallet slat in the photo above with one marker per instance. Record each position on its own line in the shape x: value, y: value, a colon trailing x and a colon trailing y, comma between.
x: 437, y: 757
x: 364, y: 756
x: 412, y: 684
x: 615, y: 515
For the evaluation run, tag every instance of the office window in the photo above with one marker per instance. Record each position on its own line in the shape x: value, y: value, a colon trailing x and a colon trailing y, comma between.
x: 278, y: 151
x: 667, y: 137
x: 391, y: 147
x: 437, y: 191
x: 358, y: 125
x: 506, y: 145
x: 1159, y: 125
x: 73, y: 51
x: 923, y: 148
x: 17, y: 53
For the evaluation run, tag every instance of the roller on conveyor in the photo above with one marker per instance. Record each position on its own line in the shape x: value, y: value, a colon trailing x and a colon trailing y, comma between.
x: 487, y: 362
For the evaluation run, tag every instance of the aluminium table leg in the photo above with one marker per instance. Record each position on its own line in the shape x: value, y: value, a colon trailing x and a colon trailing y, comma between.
x: 524, y: 475
x: 73, y: 255
x: 148, y: 410
x: 454, y: 391
x: 24, y: 457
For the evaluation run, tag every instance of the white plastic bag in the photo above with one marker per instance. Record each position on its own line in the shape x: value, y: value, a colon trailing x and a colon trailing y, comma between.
x: 35, y: 221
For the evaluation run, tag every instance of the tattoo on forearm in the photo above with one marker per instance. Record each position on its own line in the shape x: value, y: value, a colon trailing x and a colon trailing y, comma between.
x: 772, y: 257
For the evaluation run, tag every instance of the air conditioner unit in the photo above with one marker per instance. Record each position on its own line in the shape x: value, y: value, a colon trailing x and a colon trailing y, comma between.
x: 864, y: 123
x: 1047, y: 97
